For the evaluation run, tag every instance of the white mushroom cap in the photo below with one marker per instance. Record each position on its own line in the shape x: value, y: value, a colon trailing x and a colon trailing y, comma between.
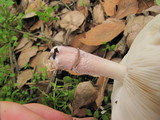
x: 139, y: 95
x: 136, y: 92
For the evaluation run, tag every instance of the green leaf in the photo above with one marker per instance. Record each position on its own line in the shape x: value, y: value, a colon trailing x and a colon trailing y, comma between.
x: 96, y: 114
x: 158, y: 2
x: 105, y: 117
x: 25, y: 35
x: 54, y: 18
x: 14, y: 38
x: 55, y: 7
x: 103, y: 42
x: 19, y: 27
x: 39, y: 13
x: 49, y: 11
x: 2, y: 19
x: 106, y: 98
x: 7, y: 3
x: 89, y: 112
x: 67, y: 79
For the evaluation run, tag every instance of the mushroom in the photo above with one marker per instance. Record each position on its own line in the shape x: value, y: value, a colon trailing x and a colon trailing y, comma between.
x: 136, y: 90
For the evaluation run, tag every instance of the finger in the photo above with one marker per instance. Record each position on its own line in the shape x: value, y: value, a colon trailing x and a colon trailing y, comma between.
x: 89, y: 118
x: 15, y: 111
x: 51, y: 114
x: 47, y: 112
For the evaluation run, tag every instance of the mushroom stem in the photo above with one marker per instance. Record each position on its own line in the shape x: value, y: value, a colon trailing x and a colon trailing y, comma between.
x: 78, y: 61
x: 94, y: 65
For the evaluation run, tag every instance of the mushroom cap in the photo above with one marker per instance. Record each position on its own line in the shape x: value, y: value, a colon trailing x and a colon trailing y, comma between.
x: 139, y: 95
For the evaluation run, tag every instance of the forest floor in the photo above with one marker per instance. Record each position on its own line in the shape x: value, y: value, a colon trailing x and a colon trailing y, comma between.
x: 29, y: 29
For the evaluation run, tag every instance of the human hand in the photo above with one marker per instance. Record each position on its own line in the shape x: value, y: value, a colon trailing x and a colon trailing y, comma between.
x: 32, y: 111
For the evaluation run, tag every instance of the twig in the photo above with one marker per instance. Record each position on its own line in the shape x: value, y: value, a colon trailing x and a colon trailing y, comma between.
x: 53, y: 78
x: 67, y: 36
x: 65, y: 5
x: 47, y: 39
x: 11, y: 62
x: 16, y: 64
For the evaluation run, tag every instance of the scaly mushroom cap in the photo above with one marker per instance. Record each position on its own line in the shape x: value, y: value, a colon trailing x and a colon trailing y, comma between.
x: 136, y: 91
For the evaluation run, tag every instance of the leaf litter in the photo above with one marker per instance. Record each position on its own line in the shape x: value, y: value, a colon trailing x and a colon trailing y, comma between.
x: 92, y: 26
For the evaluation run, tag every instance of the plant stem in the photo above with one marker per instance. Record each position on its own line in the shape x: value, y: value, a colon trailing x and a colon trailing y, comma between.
x: 53, y: 78
x: 11, y: 62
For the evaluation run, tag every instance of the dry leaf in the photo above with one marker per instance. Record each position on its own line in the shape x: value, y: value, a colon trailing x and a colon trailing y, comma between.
x: 134, y: 26
x: 43, y: 47
x: 59, y: 37
x: 72, y: 20
x: 101, y: 82
x: 155, y: 9
x: 82, y: 6
x: 85, y: 94
x: 75, y: 42
x: 34, y: 61
x: 41, y: 61
x: 103, y: 32
x: 98, y: 14
x: 33, y: 6
x: 23, y: 41
x: 29, y: 15
x: 47, y: 30
x: 42, y: 85
x: 23, y: 77
x: 121, y: 46
x: 37, y: 25
x: 28, y: 45
x: 144, y: 4
x: 110, y: 7
x: 24, y: 4
x: 67, y: 1
x: 26, y: 55
x: 80, y: 112
x: 126, y: 7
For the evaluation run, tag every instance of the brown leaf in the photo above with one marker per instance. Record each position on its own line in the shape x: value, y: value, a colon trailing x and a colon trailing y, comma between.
x: 72, y: 20
x: 35, y: 60
x: 103, y: 32
x: 37, y: 25
x: 98, y: 14
x: 144, y: 4
x: 28, y: 45
x: 41, y: 61
x: 47, y: 30
x: 126, y: 7
x: 134, y: 26
x: 101, y: 82
x: 33, y: 6
x: 110, y: 6
x: 59, y: 37
x: 23, y: 77
x: 24, y: 4
x: 85, y: 94
x: 42, y: 85
x: 82, y: 6
x: 155, y: 9
x: 75, y: 42
x: 26, y: 55
x: 43, y: 47
x: 23, y: 41
x: 67, y: 1
x: 121, y: 46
